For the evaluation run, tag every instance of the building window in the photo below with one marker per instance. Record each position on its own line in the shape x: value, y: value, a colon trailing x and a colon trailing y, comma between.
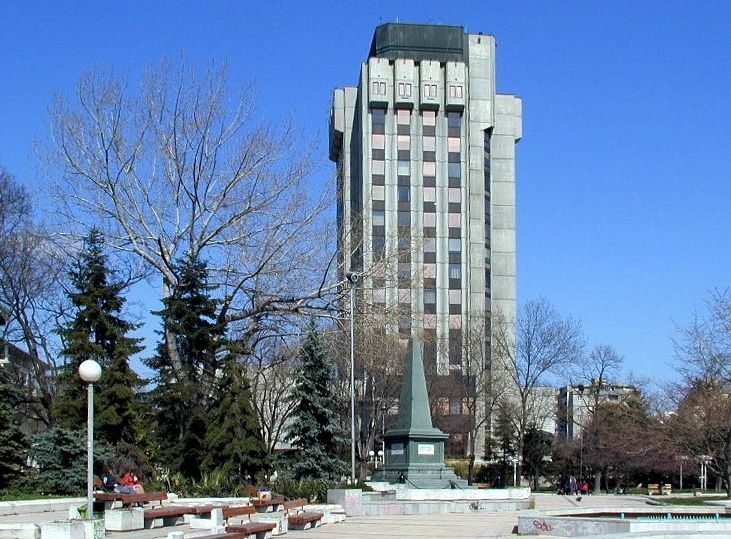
x: 404, y: 218
x: 455, y: 220
x: 404, y: 89
x: 379, y: 247
x: 454, y: 144
x: 404, y: 294
x: 455, y: 194
x: 378, y: 121
x: 404, y: 142
x: 404, y: 243
x: 455, y: 346
x: 378, y: 88
x: 455, y: 90
x: 455, y: 296
x: 429, y: 168
x: 455, y: 271
x: 430, y: 245
x: 403, y: 168
x: 404, y: 193
x: 430, y: 295
x: 379, y: 217
x: 430, y: 91
x: 403, y: 117
x: 454, y: 170
x: 455, y: 245
x: 379, y: 295
x: 455, y: 406
x: 454, y: 124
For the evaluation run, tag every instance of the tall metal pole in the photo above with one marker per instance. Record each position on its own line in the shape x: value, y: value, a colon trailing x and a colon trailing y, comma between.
x: 352, y: 379
x: 681, y: 474
x: 90, y: 453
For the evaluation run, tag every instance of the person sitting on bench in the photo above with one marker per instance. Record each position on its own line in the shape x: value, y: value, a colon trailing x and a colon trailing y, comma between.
x: 112, y: 484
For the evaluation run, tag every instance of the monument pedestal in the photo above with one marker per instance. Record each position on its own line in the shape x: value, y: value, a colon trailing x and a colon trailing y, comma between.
x: 414, y: 450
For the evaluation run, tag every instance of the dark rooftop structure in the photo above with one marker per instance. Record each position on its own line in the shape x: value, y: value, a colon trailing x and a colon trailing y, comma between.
x: 419, y: 42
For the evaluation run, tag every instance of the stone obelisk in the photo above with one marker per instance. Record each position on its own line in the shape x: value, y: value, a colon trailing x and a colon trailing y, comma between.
x: 414, y: 449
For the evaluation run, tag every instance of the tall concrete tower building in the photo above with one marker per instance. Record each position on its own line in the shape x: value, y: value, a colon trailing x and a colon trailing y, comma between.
x: 425, y: 154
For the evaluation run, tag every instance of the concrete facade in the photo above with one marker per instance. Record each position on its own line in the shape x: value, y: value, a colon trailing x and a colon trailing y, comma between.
x: 576, y: 403
x: 425, y: 154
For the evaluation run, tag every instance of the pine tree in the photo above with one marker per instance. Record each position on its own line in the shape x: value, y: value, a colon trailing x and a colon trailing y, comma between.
x: 315, y: 430
x: 97, y: 331
x: 14, y: 446
x: 182, y: 396
x: 234, y: 439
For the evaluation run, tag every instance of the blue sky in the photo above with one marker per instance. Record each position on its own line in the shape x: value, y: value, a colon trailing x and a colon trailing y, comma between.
x: 623, y: 172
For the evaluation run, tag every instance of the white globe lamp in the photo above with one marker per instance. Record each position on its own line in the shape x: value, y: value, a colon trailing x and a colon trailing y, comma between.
x: 90, y: 371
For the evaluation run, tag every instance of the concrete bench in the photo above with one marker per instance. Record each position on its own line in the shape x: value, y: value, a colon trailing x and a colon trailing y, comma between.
x: 226, y: 535
x: 653, y: 488
x: 260, y: 530
x: 267, y: 505
x: 113, y: 500
x: 667, y: 488
x: 168, y: 515
x: 299, y: 519
x: 236, y: 511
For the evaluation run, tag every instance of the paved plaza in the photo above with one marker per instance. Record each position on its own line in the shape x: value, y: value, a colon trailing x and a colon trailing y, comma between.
x: 472, y: 525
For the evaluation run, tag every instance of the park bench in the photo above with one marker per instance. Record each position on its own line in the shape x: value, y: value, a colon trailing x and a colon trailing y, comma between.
x: 166, y: 515
x: 238, y: 510
x: 113, y: 500
x: 653, y: 488
x: 667, y: 488
x: 299, y: 519
x: 258, y: 529
x: 227, y: 535
x: 271, y: 504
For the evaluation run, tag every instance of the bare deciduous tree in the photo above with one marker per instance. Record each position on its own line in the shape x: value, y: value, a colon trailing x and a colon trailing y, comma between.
x: 702, y: 424
x: 272, y: 383
x: 179, y: 167
x: 594, y: 375
x: 543, y: 344
x: 30, y: 268
x: 703, y: 348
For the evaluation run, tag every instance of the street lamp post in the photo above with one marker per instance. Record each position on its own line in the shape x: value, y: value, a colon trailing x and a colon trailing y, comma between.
x: 515, y: 471
x: 353, y: 280
x: 383, y: 432
x: 682, y: 459
x: 90, y: 372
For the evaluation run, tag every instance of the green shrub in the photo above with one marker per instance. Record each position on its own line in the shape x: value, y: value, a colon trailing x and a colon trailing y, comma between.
x: 15, y: 494
x: 60, y: 458
x: 461, y: 467
x: 314, y: 490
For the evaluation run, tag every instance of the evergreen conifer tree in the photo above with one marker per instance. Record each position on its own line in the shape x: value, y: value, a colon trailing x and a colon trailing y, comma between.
x: 182, y: 396
x: 315, y: 430
x: 234, y: 439
x: 14, y: 446
x: 97, y: 331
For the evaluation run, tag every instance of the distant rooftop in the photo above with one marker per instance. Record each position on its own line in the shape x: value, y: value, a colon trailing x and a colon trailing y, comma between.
x: 419, y: 42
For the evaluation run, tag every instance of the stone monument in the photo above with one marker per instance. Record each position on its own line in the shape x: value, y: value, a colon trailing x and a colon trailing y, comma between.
x: 414, y: 449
